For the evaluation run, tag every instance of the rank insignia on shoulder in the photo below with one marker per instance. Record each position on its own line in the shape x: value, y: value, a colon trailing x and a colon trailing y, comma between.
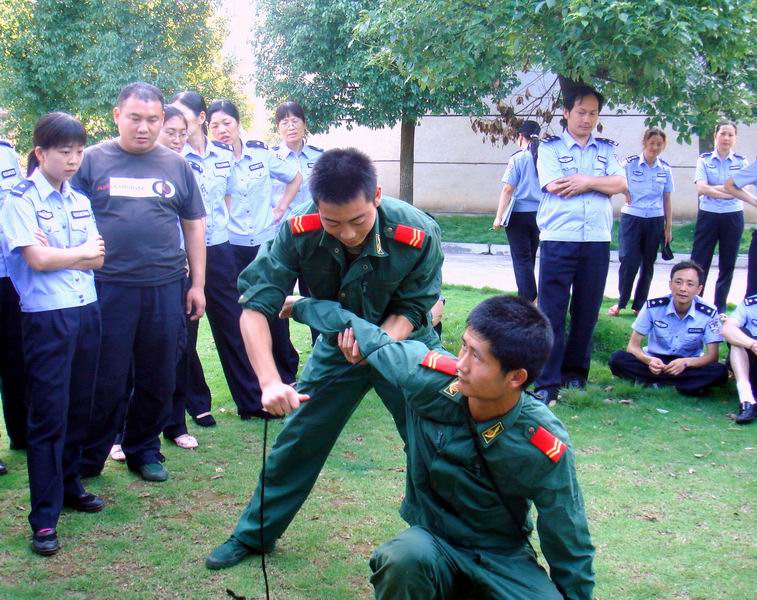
x: 452, y: 389
x: 550, y: 138
x: 222, y: 145
x: 652, y: 303
x: 548, y: 443
x: 439, y: 362
x: 22, y: 187
x: 632, y: 157
x: 258, y: 144
x: 607, y: 141
x: 304, y: 223
x: 708, y: 310
x: 411, y: 236
x: 739, y: 156
x: 705, y: 155
x: 316, y: 148
x: 489, y: 435
x: 6, y: 143
x: 664, y: 162
x: 750, y: 300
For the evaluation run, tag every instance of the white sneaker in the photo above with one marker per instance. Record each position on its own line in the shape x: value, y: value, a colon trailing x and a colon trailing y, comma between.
x: 117, y: 454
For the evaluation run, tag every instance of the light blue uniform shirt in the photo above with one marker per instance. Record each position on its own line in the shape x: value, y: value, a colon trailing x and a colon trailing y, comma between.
x: 252, y: 221
x: 214, y: 175
x: 669, y: 334
x: 586, y: 217
x: 67, y: 221
x: 521, y: 174
x: 746, y: 313
x: 714, y: 171
x: 10, y: 177
x: 304, y: 160
x: 745, y: 177
x: 647, y: 185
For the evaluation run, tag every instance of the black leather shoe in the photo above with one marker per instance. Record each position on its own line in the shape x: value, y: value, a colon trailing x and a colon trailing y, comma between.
x: 547, y: 396
x: 3, y: 468
x: 747, y: 413
x: 228, y: 554
x: 88, y: 503
x: 46, y: 544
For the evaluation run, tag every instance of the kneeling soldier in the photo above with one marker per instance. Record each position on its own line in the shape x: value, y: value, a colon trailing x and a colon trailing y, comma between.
x: 678, y: 326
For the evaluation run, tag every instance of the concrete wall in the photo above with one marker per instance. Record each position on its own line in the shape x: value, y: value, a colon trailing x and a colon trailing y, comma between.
x: 456, y: 172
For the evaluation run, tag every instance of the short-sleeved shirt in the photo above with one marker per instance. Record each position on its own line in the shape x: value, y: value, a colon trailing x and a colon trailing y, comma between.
x: 715, y: 171
x: 746, y: 314
x: 586, y: 217
x: 746, y: 176
x: 304, y: 160
x: 10, y: 176
x: 671, y: 335
x: 214, y: 173
x: 521, y: 175
x: 66, y: 219
x: 646, y: 185
x: 136, y: 200
x: 252, y: 222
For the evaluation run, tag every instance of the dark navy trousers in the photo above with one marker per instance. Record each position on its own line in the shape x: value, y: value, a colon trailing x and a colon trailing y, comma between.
x: 690, y: 382
x: 571, y: 275
x: 523, y: 235
x: 61, y: 350
x: 639, y: 240
x: 12, y: 385
x: 143, y: 329
x: 723, y: 229
x: 751, y: 277
x: 284, y: 353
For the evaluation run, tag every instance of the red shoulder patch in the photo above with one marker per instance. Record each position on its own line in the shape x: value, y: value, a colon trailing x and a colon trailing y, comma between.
x: 439, y: 362
x: 409, y: 235
x: 548, y: 443
x: 305, y: 223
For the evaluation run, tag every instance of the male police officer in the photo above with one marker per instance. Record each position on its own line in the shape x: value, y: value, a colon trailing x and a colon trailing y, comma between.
x: 380, y: 258
x: 578, y: 173
x: 139, y: 191
x: 678, y: 326
x: 740, y: 331
x: 480, y: 452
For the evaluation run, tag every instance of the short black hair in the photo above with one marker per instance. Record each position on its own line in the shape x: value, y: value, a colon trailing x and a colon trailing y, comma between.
x: 340, y: 175
x: 55, y: 130
x: 290, y: 107
x: 688, y: 264
x: 579, y: 90
x: 142, y: 91
x: 225, y: 106
x: 518, y: 333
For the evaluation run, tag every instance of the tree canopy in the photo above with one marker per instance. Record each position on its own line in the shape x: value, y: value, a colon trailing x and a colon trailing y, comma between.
x: 76, y: 55
x: 684, y: 63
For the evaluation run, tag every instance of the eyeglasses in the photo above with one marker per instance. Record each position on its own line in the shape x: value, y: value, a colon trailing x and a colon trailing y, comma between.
x: 179, y: 135
x: 291, y: 122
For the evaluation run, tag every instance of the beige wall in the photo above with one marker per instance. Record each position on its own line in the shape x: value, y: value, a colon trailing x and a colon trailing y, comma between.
x: 456, y: 172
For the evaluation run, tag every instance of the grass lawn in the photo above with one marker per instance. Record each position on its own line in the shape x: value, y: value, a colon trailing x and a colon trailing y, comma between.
x: 476, y: 229
x: 669, y: 484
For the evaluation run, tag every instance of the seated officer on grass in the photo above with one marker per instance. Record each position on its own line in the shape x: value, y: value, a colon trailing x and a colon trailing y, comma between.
x: 683, y: 335
x: 480, y: 452
x: 740, y: 331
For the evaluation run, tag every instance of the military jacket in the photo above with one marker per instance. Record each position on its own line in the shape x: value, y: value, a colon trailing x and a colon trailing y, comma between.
x: 452, y: 493
x: 10, y: 176
x: 398, y: 271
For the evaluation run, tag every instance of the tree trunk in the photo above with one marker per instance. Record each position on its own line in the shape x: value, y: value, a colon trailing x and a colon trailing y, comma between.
x: 407, y: 159
x: 706, y: 143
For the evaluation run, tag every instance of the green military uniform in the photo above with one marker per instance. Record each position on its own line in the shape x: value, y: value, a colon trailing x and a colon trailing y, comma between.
x: 398, y: 272
x: 463, y: 541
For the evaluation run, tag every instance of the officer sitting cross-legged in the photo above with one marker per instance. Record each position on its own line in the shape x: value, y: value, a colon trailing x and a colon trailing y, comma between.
x: 378, y: 257
x: 678, y: 327
x: 480, y: 452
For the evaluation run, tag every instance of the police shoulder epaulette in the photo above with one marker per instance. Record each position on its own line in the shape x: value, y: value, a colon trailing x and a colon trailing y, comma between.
x: 663, y: 301
x: 222, y: 145
x: 750, y: 300
x: 705, y: 155
x: 304, y: 223
x: 710, y: 311
x: 607, y: 141
x: 22, y: 187
x: 739, y: 156
x: 632, y: 157
x: 439, y: 362
x: 664, y: 162
x: 276, y: 148
x: 6, y: 143
x: 516, y: 153
x: 550, y: 138
x: 411, y: 236
x: 258, y: 144
x: 316, y: 148
x: 548, y: 443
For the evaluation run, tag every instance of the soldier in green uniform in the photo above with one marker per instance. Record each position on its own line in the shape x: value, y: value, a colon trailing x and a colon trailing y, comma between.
x: 379, y: 258
x: 481, y: 451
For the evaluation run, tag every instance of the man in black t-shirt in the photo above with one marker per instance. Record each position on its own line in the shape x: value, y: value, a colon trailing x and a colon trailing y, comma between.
x: 140, y: 192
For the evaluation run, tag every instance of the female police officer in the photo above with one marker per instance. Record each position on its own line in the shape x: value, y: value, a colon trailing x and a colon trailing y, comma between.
x: 53, y: 246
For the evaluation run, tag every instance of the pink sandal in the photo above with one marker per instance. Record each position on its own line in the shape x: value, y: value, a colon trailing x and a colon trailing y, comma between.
x: 186, y: 441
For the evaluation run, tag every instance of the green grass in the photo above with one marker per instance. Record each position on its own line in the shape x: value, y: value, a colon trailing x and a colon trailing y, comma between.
x: 669, y: 495
x: 477, y: 229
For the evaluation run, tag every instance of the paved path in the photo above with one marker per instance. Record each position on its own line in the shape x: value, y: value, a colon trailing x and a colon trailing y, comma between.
x: 465, y: 264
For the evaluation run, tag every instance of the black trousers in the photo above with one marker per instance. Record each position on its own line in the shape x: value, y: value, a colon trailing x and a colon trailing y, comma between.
x: 751, y: 277
x: 284, y: 354
x: 12, y: 381
x: 523, y: 235
x: 571, y: 273
x: 639, y: 240
x: 724, y: 230
x: 690, y: 382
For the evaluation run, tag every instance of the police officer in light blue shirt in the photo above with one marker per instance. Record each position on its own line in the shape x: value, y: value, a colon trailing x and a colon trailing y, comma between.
x: 740, y: 331
x: 578, y: 173
x: 646, y: 219
x: 11, y: 356
x: 52, y: 246
x: 721, y: 216
x: 735, y: 185
x: 683, y: 333
x: 518, y: 203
